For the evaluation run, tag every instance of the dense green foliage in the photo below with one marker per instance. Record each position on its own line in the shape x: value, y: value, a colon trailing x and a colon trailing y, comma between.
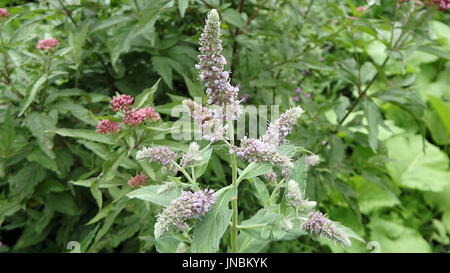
x: 375, y: 90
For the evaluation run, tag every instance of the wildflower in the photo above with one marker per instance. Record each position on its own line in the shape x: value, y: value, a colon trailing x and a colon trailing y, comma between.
x: 255, y: 150
x: 189, y: 205
x: 286, y: 172
x: 160, y: 154
x: 47, y: 44
x: 318, y: 225
x: 191, y: 156
x: 312, y: 160
x: 298, y: 90
x: 4, y: 12
x: 293, y: 195
x: 138, y: 180
x: 136, y: 117
x: 211, y: 64
x: 296, y: 98
x: 121, y: 102
x: 361, y: 8
x: 280, y: 128
x: 209, y: 122
x: 245, y: 97
x: 271, y: 176
x: 107, y: 127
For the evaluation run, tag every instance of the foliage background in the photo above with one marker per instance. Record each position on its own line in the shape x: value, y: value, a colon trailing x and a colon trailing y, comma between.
x: 384, y: 171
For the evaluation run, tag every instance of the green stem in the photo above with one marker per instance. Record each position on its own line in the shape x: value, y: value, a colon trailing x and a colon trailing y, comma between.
x: 234, y: 204
x: 250, y: 226
x: 183, y: 171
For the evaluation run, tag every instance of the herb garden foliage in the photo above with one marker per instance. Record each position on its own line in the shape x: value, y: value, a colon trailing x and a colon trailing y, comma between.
x: 358, y: 161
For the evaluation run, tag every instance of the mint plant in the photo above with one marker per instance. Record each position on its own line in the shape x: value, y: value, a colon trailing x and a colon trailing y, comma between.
x: 200, y: 216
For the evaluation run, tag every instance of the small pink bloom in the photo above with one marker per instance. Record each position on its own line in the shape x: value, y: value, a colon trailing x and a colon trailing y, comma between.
x: 138, y: 180
x: 361, y: 8
x: 4, y: 12
x: 298, y: 90
x: 296, y: 99
x: 136, y: 117
x: 150, y: 114
x: 121, y: 102
x: 107, y: 127
x: 47, y: 44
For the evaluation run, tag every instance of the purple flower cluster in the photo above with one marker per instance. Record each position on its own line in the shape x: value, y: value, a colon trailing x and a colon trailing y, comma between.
x: 209, y: 122
x: 256, y: 150
x: 281, y: 127
x: 312, y: 160
x: 160, y: 154
x: 318, y: 225
x: 293, y: 194
x: 299, y: 93
x: 189, y: 205
x: 191, y: 156
x: 211, y: 65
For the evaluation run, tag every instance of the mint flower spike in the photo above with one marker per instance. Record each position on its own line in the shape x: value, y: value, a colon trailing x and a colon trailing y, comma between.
x: 258, y: 151
x: 160, y: 154
x: 211, y: 67
x: 318, y: 225
x: 281, y: 127
x: 191, y: 156
x: 189, y: 205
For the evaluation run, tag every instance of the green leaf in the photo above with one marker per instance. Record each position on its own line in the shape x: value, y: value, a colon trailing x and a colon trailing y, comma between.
x: 254, y: 169
x: 443, y: 109
x: 32, y: 94
x: 145, y: 98
x: 153, y: 195
x: 182, y: 6
x: 41, y: 126
x: 62, y: 202
x: 261, y: 193
x: 95, y: 191
x: 162, y: 66
x: 412, y: 167
x: 233, y: 17
x: 299, y: 174
x: 209, y: 230
x: 86, y: 134
x: 7, y: 134
x: 373, y: 117
x: 201, y: 165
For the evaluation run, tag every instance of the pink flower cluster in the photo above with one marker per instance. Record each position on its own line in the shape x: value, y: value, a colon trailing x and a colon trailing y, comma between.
x: 132, y: 116
x: 121, y: 102
x: 136, y: 117
x: 138, y: 180
x: 105, y: 126
x: 47, y: 44
x: 4, y: 12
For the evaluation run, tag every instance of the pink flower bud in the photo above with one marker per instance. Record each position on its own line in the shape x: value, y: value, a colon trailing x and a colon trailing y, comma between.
x: 47, y: 44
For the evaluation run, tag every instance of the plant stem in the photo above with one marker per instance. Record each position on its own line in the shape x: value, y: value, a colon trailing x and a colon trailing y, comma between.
x: 234, y: 205
x: 182, y: 170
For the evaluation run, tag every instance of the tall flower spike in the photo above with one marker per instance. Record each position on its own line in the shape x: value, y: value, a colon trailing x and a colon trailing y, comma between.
x: 281, y: 127
x: 255, y: 150
x: 318, y: 225
x: 211, y: 64
x: 189, y: 205
x: 160, y: 154
x: 191, y: 156
x: 209, y: 122
x: 293, y: 195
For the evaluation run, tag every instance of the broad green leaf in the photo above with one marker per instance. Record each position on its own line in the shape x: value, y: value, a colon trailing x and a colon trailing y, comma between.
x: 41, y: 126
x: 253, y: 170
x: 182, y: 6
x: 162, y: 66
x: 32, y: 94
x: 299, y: 174
x: 146, y: 97
x: 96, y: 193
x: 261, y: 192
x: 411, y: 167
x: 443, y: 109
x: 373, y: 119
x: 62, y: 202
x: 233, y: 17
x: 153, y: 195
x: 86, y: 134
x: 7, y: 134
x: 209, y: 230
